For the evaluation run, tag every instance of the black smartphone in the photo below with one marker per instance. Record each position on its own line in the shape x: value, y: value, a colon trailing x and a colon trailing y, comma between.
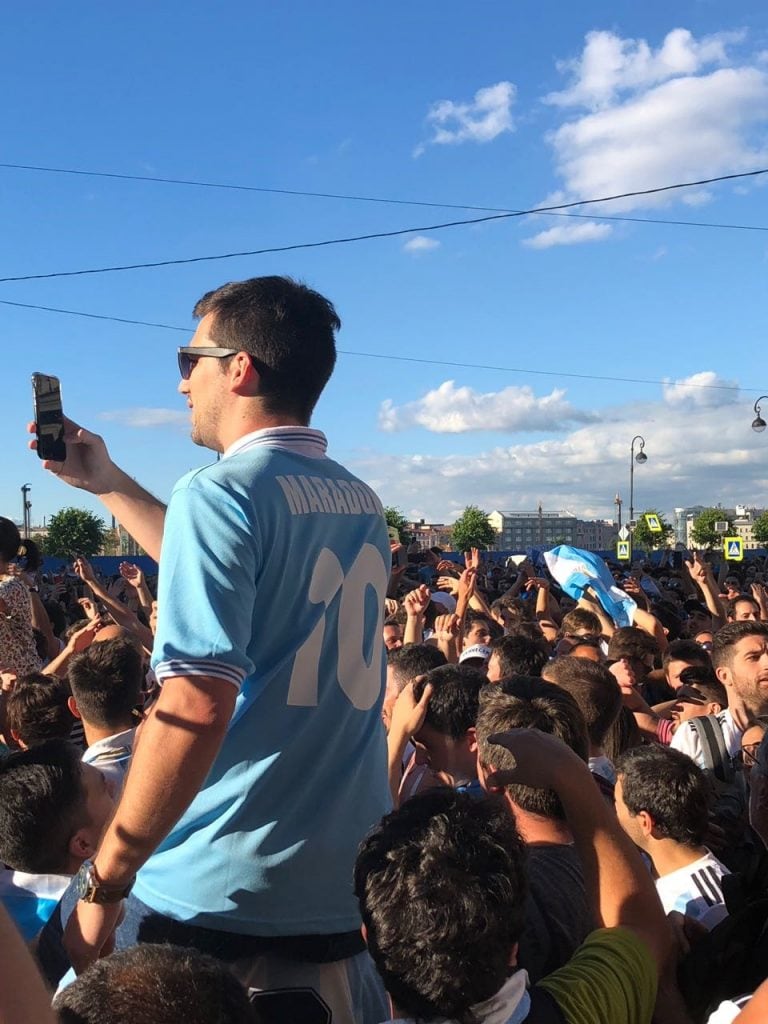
x: 49, y: 417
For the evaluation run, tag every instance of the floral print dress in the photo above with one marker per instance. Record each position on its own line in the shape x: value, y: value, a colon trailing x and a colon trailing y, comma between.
x: 17, y: 642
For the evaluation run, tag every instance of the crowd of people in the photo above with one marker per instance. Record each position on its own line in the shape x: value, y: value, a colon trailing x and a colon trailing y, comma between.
x: 313, y: 775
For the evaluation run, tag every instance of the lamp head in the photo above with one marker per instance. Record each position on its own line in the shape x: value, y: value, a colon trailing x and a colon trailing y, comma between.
x: 641, y: 457
x: 758, y: 424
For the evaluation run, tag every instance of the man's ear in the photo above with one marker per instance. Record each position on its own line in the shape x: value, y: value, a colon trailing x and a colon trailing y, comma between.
x: 471, y: 739
x: 18, y: 740
x: 723, y: 673
x: 646, y: 823
x: 73, y: 708
x: 714, y: 708
x: 82, y: 845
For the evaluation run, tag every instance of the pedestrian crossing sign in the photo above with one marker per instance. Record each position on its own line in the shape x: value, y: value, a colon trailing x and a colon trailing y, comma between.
x: 623, y: 551
x: 733, y: 549
x: 653, y: 523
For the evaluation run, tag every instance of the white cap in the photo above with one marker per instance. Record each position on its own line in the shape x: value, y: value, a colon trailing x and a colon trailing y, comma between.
x: 448, y: 601
x: 479, y: 651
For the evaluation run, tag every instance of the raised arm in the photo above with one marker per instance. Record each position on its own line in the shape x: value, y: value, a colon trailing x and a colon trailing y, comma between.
x: 618, y: 884
x: 123, y: 616
x: 88, y: 466
x: 703, y: 577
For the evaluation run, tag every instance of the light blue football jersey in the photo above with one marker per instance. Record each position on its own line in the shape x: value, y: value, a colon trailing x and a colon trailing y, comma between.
x: 273, y: 574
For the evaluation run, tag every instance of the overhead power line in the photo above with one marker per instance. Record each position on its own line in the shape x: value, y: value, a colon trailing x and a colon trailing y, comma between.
x: 407, y: 359
x: 229, y: 186
x: 383, y: 234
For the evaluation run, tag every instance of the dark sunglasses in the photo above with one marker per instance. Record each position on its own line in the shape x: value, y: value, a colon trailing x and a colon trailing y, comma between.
x: 189, y: 355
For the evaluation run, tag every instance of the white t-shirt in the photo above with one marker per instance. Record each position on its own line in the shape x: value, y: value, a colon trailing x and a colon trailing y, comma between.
x: 687, y: 740
x: 695, y: 890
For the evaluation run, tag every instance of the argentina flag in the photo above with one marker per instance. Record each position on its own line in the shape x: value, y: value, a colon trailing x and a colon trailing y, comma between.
x: 575, y: 570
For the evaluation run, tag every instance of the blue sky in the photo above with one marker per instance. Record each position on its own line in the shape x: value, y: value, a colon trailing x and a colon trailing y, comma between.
x: 505, y: 104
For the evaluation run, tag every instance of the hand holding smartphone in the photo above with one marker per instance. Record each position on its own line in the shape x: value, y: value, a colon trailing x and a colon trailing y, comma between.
x: 49, y: 417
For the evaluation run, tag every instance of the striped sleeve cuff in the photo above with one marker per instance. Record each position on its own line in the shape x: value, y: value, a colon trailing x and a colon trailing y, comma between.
x: 200, y: 667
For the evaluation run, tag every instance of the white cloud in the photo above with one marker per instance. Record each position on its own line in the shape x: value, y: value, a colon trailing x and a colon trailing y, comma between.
x: 487, y: 116
x: 704, y: 390
x: 569, y: 234
x: 610, y: 65
x: 421, y: 243
x: 649, y: 118
x: 456, y: 410
x: 143, y: 417
x: 697, y: 454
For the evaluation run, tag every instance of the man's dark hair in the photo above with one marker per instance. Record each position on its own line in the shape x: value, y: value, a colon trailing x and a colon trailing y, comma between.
x: 706, y: 682
x: 686, y: 650
x: 37, y: 709
x: 593, y: 688
x: 10, y: 539
x: 413, y: 660
x: 725, y: 639
x: 631, y: 642
x: 42, y: 805
x: 441, y: 885
x: 731, y: 605
x: 288, y: 331
x: 149, y: 983
x: 520, y: 655
x: 526, y: 703
x: 106, y: 681
x: 670, y: 787
x: 452, y: 708
x: 472, y: 617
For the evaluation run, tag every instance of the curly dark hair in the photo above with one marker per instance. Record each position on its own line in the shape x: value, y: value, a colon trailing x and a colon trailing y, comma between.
x: 441, y: 885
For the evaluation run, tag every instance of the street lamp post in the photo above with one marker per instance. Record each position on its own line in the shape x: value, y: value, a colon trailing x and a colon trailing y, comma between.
x: 26, y: 505
x: 640, y: 458
x: 758, y: 423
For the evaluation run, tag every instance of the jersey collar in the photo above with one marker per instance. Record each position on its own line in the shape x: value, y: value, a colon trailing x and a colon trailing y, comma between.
x: 299, y: 440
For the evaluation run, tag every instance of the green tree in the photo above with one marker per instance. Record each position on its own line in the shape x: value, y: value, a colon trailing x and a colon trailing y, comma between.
x: 472, y: 530
x: 74, y: 531
x: 395, y: 518
x: 703, y: 531
x: 760, y: 529
x: 642, y: 536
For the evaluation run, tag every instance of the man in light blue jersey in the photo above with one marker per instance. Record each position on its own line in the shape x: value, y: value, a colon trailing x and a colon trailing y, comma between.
x: 263, y: 762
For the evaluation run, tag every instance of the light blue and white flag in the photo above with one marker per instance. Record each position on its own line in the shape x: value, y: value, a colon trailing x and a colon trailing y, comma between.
x: 575, y: 570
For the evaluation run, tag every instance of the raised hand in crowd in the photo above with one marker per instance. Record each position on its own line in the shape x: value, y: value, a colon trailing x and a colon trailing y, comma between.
x: 132, y: 574
x: 472, y: 559
x: 760, y: 593
x: 447, y: 635
x: 449, y: 584
x: 89, y: 607
x: 416, y: 603
x: 408, y: 716
x: 78, y: 642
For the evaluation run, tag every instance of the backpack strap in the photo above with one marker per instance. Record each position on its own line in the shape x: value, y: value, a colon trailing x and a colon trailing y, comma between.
x: 713, y: 749
x: 544, y: 1008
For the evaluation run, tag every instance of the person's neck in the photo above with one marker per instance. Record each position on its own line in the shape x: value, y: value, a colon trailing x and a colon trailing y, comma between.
x: 94, y: 733
x: 241, y: 424
x: 596, y: 751
x: 536, y: 829
x: 668, y: 855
